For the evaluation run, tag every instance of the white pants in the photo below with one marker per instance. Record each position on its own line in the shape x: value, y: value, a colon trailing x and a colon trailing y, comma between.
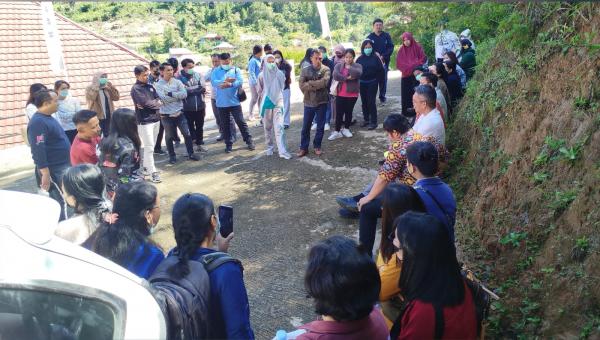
x: 148, y: 134
x: 253, y: 100
x: 286, y: 107
x: 273, y: 124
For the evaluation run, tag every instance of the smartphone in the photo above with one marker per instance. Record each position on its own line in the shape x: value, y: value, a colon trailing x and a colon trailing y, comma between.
x: 226, y: 219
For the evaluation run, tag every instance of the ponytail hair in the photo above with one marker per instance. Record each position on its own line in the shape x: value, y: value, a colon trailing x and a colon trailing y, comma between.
x: 192, y: 215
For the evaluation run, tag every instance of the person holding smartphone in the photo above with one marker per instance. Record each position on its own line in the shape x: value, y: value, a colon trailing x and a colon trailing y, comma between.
x: 197, y: 228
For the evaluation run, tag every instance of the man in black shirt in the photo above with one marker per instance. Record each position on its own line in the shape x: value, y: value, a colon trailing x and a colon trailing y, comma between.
x: 382, y: 45
x: 50, y: 147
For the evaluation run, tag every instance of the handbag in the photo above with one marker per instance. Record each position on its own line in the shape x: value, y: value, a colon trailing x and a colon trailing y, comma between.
x: 241, y: 94
x: 333, y: 90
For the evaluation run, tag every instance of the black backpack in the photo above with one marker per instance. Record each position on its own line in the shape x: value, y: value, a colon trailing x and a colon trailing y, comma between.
x: 185, y: 302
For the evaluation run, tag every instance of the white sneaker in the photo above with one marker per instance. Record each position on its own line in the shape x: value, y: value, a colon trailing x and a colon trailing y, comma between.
x: 285, y: 155
x: 346, y: 133
x: 269, y: 152
x: 327, y: 127
x: 313, y: 127
x: 335, y: 135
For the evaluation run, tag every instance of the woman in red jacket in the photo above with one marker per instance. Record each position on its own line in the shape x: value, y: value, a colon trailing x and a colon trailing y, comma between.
x: 440, y: 305
x: 410, y: 55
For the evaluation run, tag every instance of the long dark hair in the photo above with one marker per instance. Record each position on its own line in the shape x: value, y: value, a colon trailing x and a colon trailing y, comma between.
x: 123, y: 124
x: 307, y: 55
x: 441, y: 71
x: 430, y: 270
x: 397, y: 199
x: 35, y: 87
x: 86, y: 184
x: 283, y: 61
x: 120, y: 240
x: 192, y: 214
x: 452, y: 56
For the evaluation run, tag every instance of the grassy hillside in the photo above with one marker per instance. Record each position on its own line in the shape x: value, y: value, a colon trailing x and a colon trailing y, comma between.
x: 526, y: 169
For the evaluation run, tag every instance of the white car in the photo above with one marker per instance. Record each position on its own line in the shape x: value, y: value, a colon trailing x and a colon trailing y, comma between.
x: 53, y: 289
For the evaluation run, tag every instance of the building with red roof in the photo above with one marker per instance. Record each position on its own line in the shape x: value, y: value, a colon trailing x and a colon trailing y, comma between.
x: 40, y: 46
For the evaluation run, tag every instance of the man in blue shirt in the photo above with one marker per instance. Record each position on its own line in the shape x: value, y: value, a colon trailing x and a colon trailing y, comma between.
x: 384, y: 46
x: 50, y: 147
x: 254, y: 68
x: 436, y: 195
x: 227, y: 79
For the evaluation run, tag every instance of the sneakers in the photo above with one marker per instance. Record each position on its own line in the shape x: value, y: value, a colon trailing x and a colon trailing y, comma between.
x: 160, y: 152
x: 285, y: 155
x: 251, y: 146
x: 193, y: 157
x: 220, y: 138
x: 347, y: 203
x: 318, y: 152
x: 200, y: 148
x: 269, y: 152
x: 327, y: 127
x: 346, y: 133
x: 172, y: 159
x: 302, y: 153
x: 228, y: 149
x: 335, y: 135
x: 313, y: 127
x: 372, y: 127
x: 155, y: 178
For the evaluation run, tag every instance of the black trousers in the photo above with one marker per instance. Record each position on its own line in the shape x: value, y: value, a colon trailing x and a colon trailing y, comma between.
x: 195, y: 121
x: 343, y: 111
x: 408, y: 90
x: 368, y: 97
x: 171, y: 125
x: 235, y: 112
x: 369, y: 213
x: 213, y: 103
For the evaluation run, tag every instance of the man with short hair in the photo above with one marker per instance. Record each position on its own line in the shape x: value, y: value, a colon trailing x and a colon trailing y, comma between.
x: 384, y: 47
x: 313, y: 84
x: 429, y: 120
x: 147, y: 106
x: 154, y: 72
x: 50, y: 147
x: 227, y: 79
x: 254, y: 68
x: 194, y: 107
x: 214, y: 58
x: 83, y: 149
x: 428, y: 78
x: 172, y: 92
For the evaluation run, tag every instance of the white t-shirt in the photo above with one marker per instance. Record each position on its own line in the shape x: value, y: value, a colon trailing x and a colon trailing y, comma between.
x: 431, y: 124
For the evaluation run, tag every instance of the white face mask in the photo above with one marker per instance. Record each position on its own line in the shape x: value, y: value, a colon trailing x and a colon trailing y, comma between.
x: 153, y: 228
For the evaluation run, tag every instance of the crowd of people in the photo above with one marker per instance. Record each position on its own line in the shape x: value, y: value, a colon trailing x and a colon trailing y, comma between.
x: 98, y: 164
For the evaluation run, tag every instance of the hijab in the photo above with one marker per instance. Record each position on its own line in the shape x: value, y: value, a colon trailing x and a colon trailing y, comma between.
x: 272, y: 86
x: 338, y: 48
x: 409, y: 57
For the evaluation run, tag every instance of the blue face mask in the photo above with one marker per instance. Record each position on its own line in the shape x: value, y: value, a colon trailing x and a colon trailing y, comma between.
x: 368, y: 51
x: 64, y: 93
x: 226, y: 67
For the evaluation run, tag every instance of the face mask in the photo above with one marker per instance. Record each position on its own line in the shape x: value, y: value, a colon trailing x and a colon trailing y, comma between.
x: 368, y: 51
x: 102, y: 81
x: 278, y: 60
x: 190, y: 71
x: 226, y: 67
x: 64, y: 93
x: 153, y: 228
x: 466, y: 47
x: 271, y: 66
x: 419, y: 77
x: 324, y: 56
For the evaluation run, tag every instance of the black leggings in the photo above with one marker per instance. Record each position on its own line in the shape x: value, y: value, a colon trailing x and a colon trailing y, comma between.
x: 408, y: 90
x: 343, y: 110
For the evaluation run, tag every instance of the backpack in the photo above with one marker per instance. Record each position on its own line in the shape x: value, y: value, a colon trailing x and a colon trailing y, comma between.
x: 185, y: 302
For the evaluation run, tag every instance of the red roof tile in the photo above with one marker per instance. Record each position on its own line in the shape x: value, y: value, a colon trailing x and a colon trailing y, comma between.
x: 24, y: 51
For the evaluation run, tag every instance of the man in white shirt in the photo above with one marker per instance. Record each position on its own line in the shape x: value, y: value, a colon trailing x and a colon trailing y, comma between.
x: 429, y: 121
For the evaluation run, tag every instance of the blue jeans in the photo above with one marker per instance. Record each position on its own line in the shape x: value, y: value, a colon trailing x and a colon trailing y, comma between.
x: 368, y: 98
x: 311, y: 113
x: 383, y: 83
x: 327, y: 112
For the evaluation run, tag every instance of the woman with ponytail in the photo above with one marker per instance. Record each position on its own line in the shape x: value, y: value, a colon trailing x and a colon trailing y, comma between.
x: 124, y: 237
x: 196, y: 228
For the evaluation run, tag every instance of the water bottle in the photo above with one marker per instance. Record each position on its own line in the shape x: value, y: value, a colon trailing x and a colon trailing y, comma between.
x: 281, y: 335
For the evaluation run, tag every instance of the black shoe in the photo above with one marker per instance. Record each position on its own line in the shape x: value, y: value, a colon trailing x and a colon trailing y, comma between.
x: 347, y: 203
x: 228, y: 149
x: 372, y: 127
x: 364, y: 124
x: 201, y: 143
x: 172, y: 159
x: 353, y: 122
x: 251, y: 146
x: 193, y: 157
x: 285, y: 127
x: 220, y: 138
x: 348, y: 214
x: 160, y: 152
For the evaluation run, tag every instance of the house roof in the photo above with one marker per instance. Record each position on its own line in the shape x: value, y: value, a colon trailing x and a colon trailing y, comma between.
x: 25, y: 61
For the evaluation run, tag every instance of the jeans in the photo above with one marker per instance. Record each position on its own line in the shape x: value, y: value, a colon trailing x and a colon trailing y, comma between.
x: 286, y: 107
x: 235, y: 112
x: 213, y: 103
x: 407, y: 90
x: 195, y: 121
x: 310, y: 113
x: 328, y: 111
x: 368, y: 97
x: 253, y: 99
x: 369, y: 213
x: 55, y: 191
x: 383, y: 82
x: 148, y: 133
x: 273, y: 125
x: 345, y: 106
x: 171, y: 124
